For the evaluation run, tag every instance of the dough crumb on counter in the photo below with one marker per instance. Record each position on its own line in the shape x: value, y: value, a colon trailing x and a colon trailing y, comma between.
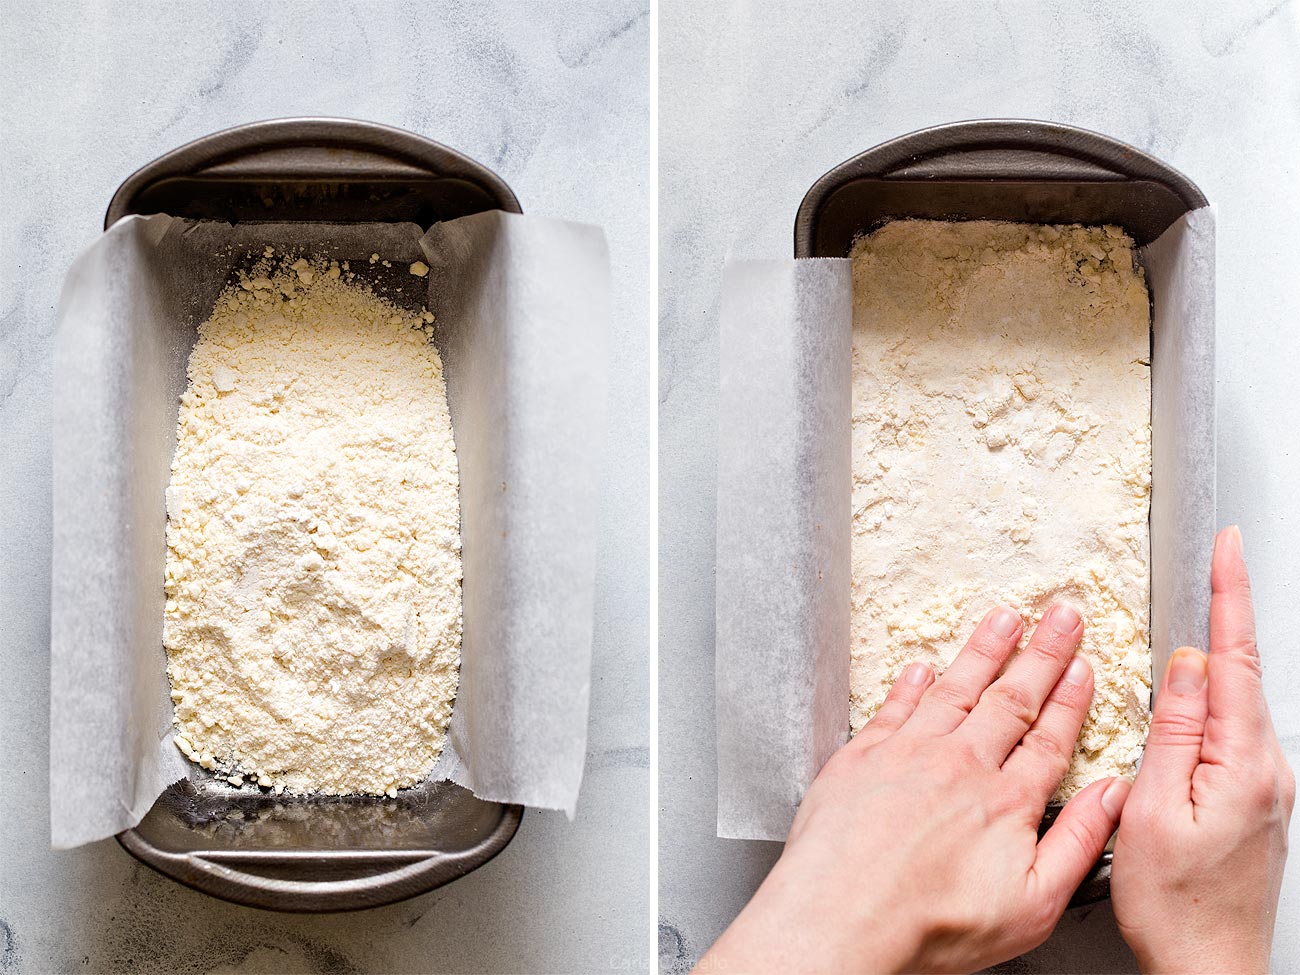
x: 313, y: 574
x: 1002, y: 453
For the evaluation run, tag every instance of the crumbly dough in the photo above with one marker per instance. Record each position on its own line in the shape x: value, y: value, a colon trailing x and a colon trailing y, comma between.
x: 313, y: 615
x: 1002, y: 453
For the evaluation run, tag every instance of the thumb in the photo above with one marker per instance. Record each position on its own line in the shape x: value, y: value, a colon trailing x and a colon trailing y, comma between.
x: 1173, y: 747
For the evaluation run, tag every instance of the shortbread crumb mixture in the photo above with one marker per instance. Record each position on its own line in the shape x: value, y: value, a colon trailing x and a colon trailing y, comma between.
x: 313, y: 614
x: 1002, y: 453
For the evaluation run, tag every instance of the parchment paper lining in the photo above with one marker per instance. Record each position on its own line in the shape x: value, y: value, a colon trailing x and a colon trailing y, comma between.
x: 523, y: 309
x: 784, y: 517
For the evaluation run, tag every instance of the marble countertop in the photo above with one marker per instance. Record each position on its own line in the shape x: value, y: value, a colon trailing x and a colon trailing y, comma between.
x: 554, y: 98
x: 757, y: 102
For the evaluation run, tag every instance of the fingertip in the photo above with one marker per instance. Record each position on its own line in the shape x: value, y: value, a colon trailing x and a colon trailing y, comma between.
x: 1079, y: 672
x: 917, y: 675
x: 1004, y: 621
x: 1064, y: 619
x: 1187, y: 671
x: 1114, y: 796
x: 1228, y: 563
x: 899, y: 704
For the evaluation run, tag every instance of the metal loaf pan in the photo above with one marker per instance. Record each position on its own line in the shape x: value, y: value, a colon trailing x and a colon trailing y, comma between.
x: 304, y: 853
x: 997, y: 169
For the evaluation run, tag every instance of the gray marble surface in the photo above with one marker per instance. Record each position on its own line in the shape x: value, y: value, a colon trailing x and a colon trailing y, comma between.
x: 553, y: 97
x: 758, y: 100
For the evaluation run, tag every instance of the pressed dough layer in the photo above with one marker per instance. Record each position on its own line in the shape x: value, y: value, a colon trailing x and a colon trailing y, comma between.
x: 1002, y: 453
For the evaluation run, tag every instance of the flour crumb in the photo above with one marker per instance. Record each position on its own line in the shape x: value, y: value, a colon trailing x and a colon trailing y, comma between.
x: 1002, y: 453
x: 313, y: 613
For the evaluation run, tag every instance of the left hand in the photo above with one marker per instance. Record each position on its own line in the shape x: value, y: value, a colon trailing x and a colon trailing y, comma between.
x: 916, y: 848
x: 1200, y: 850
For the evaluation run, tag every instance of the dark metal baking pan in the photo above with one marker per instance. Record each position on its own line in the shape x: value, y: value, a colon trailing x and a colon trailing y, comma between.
x: 316, y: 853
x: 313, y: 170
x: 1031, y: 172
x: 997, y: 169
x: 319, y: 853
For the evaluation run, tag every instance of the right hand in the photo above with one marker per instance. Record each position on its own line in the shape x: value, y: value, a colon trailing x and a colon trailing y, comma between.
x: 1202, y: 839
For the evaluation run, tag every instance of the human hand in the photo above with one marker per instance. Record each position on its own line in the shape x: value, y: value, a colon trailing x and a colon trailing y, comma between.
x: 916, y: 847
x: 1198, y: 859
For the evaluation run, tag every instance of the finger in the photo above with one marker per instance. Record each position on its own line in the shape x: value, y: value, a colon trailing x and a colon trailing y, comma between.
x: 1236, y: 696
x: 1075, y: 842
x: 899, y: 704
x: 946, y: 704
x: 1043, y: 755
x: 1011, y: 704
x: 1173, y: 748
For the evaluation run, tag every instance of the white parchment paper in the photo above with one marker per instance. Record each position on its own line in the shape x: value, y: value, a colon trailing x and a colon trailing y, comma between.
x: 783, y: 569
x: 522, y: 305
x: 784, y: 514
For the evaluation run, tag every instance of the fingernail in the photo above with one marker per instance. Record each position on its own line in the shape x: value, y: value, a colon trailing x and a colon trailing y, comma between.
x: 916, y: 674
x: 1077, y: 672
x: 1062, y: 618
x: 1004, y: 621
x: 1112, y: 800
x: 1187, y: 671
x: 1236, y: 537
